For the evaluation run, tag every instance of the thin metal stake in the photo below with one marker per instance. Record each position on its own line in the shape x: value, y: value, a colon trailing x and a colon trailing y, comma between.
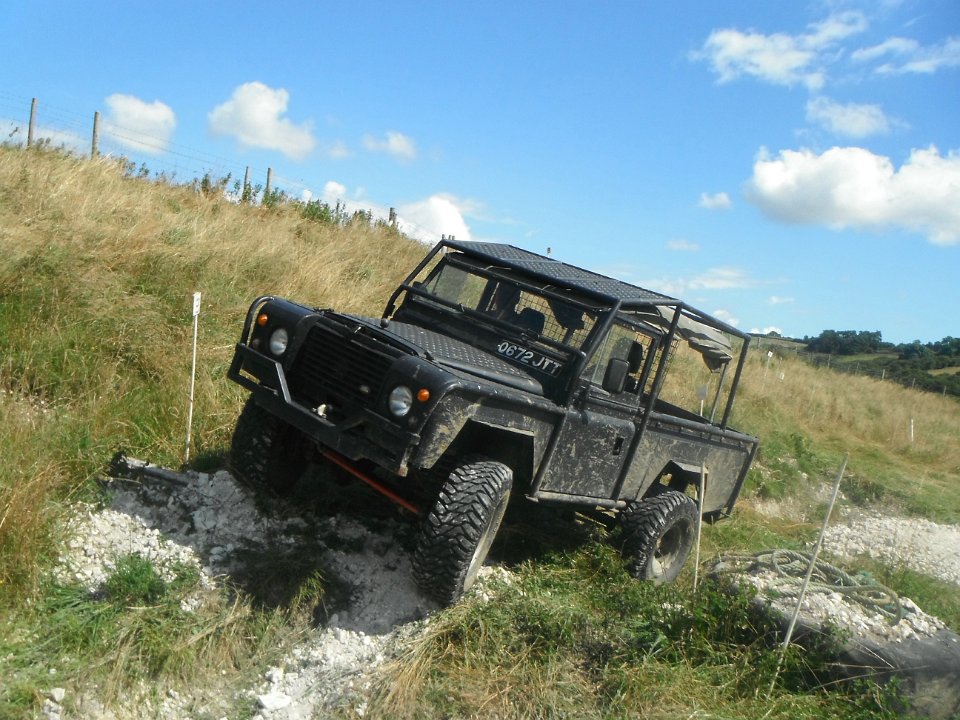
x: 696, y: 551
x: 193, y: 374
x: 806, y: 579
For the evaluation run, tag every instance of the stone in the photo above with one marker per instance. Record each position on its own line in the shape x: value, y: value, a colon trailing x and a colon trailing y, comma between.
x: 274, y: 700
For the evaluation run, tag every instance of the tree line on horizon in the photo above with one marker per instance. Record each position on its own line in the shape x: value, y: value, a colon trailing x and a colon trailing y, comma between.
x: 907, y: 363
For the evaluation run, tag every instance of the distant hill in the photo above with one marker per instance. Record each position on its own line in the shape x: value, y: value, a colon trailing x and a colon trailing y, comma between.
x: 931, y: 367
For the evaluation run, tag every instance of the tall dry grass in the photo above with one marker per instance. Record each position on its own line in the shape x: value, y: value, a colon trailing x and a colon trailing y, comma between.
x: 904, y: 441
x: 97, y: 273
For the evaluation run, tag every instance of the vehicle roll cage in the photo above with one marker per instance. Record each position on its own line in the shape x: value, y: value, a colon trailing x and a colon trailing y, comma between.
x: 612, y: 295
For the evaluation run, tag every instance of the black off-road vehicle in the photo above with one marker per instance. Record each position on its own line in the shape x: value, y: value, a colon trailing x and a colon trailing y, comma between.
x: 498, y: 374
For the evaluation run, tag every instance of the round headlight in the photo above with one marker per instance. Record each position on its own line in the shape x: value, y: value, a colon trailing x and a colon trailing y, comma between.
x: 400, y: 400
x: 278, y: 341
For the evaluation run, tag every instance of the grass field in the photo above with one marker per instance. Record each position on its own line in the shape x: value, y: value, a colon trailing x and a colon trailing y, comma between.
x: 97, y: 276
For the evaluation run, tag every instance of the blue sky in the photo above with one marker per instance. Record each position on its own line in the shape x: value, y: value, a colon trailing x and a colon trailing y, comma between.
x: 789, y: 166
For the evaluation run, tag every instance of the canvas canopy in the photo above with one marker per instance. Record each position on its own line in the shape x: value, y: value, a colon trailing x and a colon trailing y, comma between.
x: 712, y: 344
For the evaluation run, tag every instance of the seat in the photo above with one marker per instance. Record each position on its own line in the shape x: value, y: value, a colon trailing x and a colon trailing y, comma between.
x: 532, y: 320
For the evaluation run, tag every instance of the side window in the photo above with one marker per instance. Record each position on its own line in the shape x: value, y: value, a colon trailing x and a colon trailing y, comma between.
x: 624, y: 342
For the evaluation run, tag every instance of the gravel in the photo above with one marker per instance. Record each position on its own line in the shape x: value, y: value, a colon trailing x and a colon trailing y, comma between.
x: 919, y: 544
x: 213, y: 522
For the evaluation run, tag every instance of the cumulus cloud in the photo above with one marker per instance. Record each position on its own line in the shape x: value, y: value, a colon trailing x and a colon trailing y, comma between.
x: 851, y: 187
x: 427, y: 220
x: 134, y: 123
x: 715, y: 201
x: 255, y: 116
x: 852, y: 119
x: 333, y: 191
x: 778, y: 300
x: 393, y: 143
x: 682, y: 246
x: 907, y: 56
x: 779, y: 58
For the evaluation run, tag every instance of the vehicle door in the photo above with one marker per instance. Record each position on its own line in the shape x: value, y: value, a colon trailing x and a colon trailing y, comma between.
x: 596, y: 434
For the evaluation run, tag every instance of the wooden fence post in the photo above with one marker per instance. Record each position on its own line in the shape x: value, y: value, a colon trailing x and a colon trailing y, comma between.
x: 95, y: 143
x: 31, y: 128
x: 266, y: 190
x: 245, y: 193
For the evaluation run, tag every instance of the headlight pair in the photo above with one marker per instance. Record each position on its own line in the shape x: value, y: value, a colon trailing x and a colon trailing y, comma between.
x: 401, y: 399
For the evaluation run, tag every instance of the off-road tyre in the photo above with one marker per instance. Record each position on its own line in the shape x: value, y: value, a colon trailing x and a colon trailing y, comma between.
x: 266, y: 452
x: 456, y: 535
x: 657, y: 535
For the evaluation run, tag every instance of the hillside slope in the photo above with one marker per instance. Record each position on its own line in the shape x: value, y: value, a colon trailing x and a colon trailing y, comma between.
x: 97, y: 275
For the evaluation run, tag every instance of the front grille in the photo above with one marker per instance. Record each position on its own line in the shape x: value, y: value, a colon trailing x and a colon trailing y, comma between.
x: 342, y: 369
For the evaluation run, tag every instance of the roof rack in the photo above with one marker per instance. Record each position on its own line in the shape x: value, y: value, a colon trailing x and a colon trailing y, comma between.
x: 547, y: 268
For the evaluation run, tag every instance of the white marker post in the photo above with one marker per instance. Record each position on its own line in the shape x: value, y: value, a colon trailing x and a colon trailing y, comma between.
x: 700, y: 492
x: 193, y: 374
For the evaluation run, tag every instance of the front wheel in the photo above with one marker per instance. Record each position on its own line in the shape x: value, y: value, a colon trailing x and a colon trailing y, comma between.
x: 657, y: 535
x: 457, y: 533
x: 265, y: 451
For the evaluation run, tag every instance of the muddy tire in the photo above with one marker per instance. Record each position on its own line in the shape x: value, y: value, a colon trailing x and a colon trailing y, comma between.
x: 657, y: 534
x: 456, y: 535
x: 266, y: 452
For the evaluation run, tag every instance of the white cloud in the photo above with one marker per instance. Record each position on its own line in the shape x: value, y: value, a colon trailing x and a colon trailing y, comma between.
x: 338, y: 151
x: 146, y: 127
x: 15, y: 133
x: 852, y: 119
x: 715, y: 201
x: 333, y: 191
x: 851, y: 187
x: 727, y: 317
x: 780, y: 58
x: 394, y: 143
x: 767, y: 330
x: 682, y: 246
x: 254, y: 115
x: 437, y: 215
x: 891, y: 46
x: 425, y: 220
x: 721, y: 278
x: 909, y: 56
x: 718, y: 278
x: 778, y: 300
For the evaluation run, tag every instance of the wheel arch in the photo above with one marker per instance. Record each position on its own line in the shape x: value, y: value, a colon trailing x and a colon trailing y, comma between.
x: 510, y: 446
x: 675, y: 475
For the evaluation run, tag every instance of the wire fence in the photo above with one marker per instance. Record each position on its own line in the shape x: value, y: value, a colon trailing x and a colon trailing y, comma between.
x: 24, y: 120
x: 73, y: 132
x: 158, y: 158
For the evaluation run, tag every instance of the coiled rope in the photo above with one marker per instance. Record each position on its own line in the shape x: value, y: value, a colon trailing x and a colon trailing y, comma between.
x: 791, y: 567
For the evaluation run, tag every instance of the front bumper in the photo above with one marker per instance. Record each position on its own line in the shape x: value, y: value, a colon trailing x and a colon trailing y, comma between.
x: 361, y: 434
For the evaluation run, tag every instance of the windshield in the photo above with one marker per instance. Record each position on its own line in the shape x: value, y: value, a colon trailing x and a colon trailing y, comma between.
x: 536, y: 310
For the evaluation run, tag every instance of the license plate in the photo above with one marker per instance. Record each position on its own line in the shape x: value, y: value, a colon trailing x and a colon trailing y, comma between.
x: 531, y: 358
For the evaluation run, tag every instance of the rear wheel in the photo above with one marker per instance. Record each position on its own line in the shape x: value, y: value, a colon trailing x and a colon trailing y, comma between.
x: 457, y: 533
x: 267, y: 452
x: 657, y: 535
